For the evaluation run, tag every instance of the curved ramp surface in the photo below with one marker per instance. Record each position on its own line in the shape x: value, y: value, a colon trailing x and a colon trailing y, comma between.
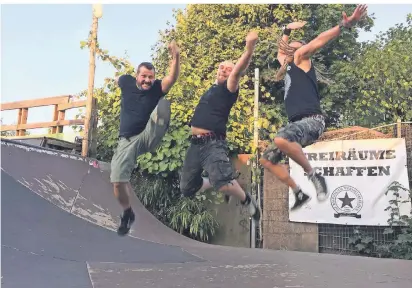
x: 35, y: 231
x: 66, y: 238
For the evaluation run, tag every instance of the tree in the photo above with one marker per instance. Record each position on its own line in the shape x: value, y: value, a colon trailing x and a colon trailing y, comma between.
x: 209, y: 34
x: 380, y: 78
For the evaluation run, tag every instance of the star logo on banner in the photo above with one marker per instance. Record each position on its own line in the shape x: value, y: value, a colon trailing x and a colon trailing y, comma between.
x: 346, y: 201
x: 351, y: 202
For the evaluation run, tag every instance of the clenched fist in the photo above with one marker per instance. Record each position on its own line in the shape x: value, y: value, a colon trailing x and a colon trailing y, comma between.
x: 173, y: 48
x: 251, y: 39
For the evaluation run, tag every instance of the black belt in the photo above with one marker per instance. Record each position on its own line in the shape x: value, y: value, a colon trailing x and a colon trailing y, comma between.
x: 204, y: 138
x: 300, y: 117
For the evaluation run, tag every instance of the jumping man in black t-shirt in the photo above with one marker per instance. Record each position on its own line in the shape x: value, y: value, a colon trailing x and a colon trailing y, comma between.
x: 302, y: 102
x: 208, y: 149
x: 144, y: 120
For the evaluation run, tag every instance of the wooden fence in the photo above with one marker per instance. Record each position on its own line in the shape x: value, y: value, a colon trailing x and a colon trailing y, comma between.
x: 61, y: 104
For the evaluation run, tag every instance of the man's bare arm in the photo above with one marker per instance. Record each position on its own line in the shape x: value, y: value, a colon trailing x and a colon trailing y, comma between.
x: 243, y: 62
x: 285, y: 39
x: 169, y: 80
x: 306, y: 51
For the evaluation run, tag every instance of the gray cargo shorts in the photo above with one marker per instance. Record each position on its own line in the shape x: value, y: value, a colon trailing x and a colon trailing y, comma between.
x: 211, y: 156
x: 127, y: 150
x: 305, y: 132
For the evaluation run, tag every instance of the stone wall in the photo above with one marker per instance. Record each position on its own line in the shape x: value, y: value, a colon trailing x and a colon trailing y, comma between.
x: 278, y: 232
x: 233, y: 218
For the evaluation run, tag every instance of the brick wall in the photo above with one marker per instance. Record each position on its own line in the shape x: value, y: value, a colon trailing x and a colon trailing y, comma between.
x: 278, y: 232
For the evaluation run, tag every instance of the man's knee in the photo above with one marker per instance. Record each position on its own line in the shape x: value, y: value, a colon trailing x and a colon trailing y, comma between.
x: 221, y: 173
x: 272, y: 154
x: 188, y: 191
x: 162, y: 114
x: 119, y: 185
x: 189, y: 188
x: 281, y: 142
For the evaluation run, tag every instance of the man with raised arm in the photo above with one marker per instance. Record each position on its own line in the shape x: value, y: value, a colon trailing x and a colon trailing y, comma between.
x: 208, y: 149
x: 302, y: 103
x: 144, y: 120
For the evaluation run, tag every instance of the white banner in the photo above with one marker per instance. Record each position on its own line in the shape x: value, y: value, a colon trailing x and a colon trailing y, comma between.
x: 358, y: 174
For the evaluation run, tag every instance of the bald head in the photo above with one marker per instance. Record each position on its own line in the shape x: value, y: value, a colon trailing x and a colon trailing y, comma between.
x: 223, y: 71
x: 227, y: 64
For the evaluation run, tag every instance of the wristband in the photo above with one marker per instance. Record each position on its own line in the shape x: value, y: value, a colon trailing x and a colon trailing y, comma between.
x: 286, y: 31
x: 341, y: 26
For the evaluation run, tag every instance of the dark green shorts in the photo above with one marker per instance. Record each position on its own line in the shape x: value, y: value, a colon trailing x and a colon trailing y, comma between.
x: 127, y: 150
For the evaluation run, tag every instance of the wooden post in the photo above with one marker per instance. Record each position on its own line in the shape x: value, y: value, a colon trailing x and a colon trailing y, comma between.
x: 55, y: 118
x: 399, y: 128
x: 91, y: 115
x: 19, y: 120
x: 24, y: 115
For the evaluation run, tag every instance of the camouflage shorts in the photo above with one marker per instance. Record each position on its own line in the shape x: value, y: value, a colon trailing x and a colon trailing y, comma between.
x: 305, y: 132
x: 211, y: 156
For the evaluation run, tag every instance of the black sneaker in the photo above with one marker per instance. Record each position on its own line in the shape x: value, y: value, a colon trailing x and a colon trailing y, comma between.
x: 126, y: 221
x: 320, y: 185
x: 300, y: 199
x: 253, y: 208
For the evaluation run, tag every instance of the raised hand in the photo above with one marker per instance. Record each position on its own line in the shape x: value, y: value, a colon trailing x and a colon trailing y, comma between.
x: 296, y: 25
x: 359, y: 12
x: 251, y: 39
x: 173, y: 48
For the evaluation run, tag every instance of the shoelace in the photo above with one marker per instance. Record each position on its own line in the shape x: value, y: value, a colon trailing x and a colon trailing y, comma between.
x: 317, y: 183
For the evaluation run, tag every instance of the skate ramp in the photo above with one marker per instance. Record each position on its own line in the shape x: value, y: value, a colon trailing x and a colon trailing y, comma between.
x: 58, y: 230
x: 80, y: 186
x: 35, y: 232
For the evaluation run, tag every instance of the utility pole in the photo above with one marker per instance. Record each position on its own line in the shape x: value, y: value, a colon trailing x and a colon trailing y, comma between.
x: 90, y: 123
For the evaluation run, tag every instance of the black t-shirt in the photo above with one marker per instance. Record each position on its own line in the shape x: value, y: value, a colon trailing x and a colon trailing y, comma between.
x: 301, y: 92
x: 136, y: 105
x: 213, y: 110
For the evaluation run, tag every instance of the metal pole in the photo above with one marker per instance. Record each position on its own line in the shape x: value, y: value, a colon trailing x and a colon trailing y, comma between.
x: 256, y: 143
x: 256, y: 110
x: 91, y: 115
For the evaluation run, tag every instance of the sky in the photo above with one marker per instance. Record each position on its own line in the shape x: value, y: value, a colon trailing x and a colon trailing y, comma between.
x: 41, y: 55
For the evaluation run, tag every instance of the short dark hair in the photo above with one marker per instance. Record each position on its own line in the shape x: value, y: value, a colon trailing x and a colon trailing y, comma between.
x: 147, y: 65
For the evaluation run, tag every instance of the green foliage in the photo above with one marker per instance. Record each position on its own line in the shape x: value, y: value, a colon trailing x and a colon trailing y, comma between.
x: 209, y: 34
x: 169, y: 156
x: 399, y: 231
x: 379, y: 81
x: 362, y: 243
x: 191, y: 217
x: 188, y: 216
